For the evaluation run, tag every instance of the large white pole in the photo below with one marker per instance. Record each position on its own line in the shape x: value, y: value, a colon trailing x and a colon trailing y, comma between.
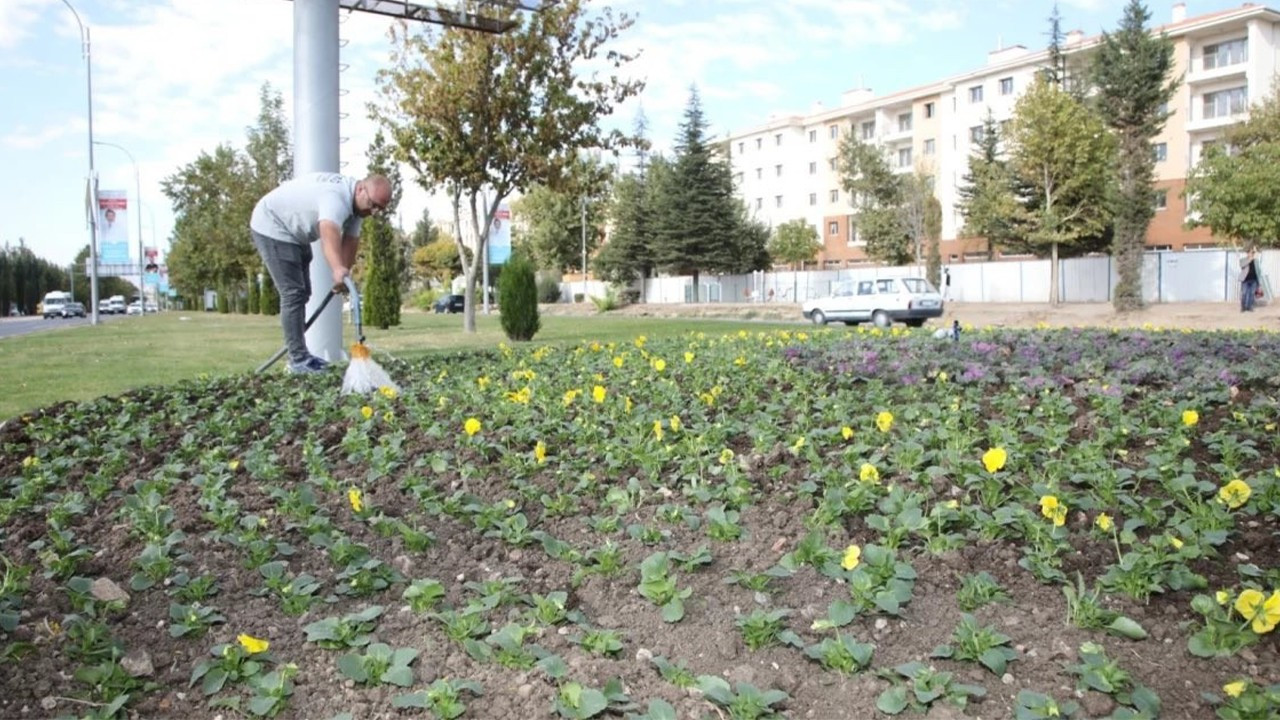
x: 92, y: 190
x: 315, y: 133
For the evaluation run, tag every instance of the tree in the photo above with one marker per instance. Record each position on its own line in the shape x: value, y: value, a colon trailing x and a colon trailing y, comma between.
x: 795, y: 243
x: 518, y: 299
x: 917, y: 196
x: 988, y: 201
x: 1131, y: 72
x: 487, y: 115
x: 438, y: 261
x: 211, y: 246
x: 877, y: 200
x: 1061, y: 154
x: 933, y: 234
x: 552, y: 218
x: 380, y: 252
x: 1232, y: 188
x: 425, y: 232
x: 698, y: 219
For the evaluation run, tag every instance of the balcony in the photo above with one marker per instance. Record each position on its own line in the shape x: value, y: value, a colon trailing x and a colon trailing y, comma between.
x: 1200, y: 76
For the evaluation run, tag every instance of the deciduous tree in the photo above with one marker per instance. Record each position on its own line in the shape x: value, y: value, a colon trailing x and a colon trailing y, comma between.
x: 877, y: 200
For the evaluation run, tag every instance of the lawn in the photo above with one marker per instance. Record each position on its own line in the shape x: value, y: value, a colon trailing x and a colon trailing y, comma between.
x: 85, y: 362
x: 747, y: 524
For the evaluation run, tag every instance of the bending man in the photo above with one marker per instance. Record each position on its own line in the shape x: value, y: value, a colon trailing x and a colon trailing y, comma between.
x: 315, y: 206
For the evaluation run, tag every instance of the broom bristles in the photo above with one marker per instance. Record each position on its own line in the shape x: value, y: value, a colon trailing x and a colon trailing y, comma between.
x: 364, y: 375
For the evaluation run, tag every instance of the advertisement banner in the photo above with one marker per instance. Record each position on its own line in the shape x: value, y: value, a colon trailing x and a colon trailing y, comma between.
x: 500, y: 236
x: 113, y: 227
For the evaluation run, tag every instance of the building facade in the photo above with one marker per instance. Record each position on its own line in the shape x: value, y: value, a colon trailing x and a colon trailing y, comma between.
x: 786, y: 168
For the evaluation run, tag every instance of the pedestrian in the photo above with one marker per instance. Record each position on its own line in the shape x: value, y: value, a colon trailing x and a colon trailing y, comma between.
x: 314, y: 206
x: 1249, y: 280
x: 946, y: 284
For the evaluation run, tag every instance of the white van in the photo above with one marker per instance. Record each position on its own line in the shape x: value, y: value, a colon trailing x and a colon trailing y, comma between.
x: 53, y: 302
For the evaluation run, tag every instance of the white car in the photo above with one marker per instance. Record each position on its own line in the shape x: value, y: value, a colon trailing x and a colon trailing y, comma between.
x: 134, y: 308
x: 881, y: 301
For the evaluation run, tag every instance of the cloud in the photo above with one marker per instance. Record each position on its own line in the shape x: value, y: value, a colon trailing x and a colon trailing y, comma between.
x: 16, y: 21
x: 24, y: 138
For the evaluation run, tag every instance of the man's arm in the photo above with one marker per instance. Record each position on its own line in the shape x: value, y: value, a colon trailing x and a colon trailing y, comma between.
x: 350, y: 246
x: 333, y: 245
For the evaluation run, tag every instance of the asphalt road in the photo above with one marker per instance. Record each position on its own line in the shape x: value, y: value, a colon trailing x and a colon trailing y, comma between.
x: 14, y: 326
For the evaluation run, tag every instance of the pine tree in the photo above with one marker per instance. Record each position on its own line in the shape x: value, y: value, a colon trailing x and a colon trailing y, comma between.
x: 518, y: 299
x: 254, y: 295
x: 269, y: 301
x: 1131, y: 72
x: 988, y: 201
x: 379, y: 248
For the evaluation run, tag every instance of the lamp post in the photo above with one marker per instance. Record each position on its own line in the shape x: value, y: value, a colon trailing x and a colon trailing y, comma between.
x: 584, y: 247
x: 93, y: 195
x: 137, y: 184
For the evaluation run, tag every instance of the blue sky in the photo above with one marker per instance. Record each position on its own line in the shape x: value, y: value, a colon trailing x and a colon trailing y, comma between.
x: 174, y: 77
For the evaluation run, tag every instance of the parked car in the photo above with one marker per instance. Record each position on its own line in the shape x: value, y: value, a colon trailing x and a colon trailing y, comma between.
x: 72, y: 309
x: 135, y: 308
x: 881, y: 301
x: 51, y: 307
x: 450, y: 304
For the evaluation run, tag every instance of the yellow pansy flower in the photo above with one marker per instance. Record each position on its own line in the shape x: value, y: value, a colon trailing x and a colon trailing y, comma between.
x: 626, y: 407
x: 482, y: 381
x: 1265, y: 614
x: 951, y: 504
x: 1222, y: 596
x: 471, y: 426
x: 659, y: 364
x: 1051, y: 508
x: 994, y: 459
x: 1235, y: 493
x: 1190, y: 417
x: 657, y: 430
x: 852, y: 556
x: 1104, y: 523
x: 570, y: 396
x: 540, y: 452
x: 943, y: 376
x: 356, y: 498
x: 688, y: 357
x: 520, y: 396
x: 233, y: 465
x: 640, y: 341
x: 868, y: 473
x: 884, y: 421
x: 252, y: 645
x: 30, y: 461
x: 387, y: 392
x: 1233, y: 689
x: 740, y: 361
x: 598, y: 393
x: 1175, y: 542
x: 366, y: 412
x: 617, y: 361
x: 846, y: 432
x: 388, y: 416
x: 726, y: 456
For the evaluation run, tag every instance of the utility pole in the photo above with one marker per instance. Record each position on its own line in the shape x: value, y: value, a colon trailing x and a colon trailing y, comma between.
x: 583, y: 204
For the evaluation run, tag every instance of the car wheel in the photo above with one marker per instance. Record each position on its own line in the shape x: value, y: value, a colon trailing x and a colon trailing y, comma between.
x: 818, y: 318
x: 915, y: 322
x: 881, y: 319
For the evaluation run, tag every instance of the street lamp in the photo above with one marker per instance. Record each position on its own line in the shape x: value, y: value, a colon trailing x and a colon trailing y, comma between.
x: 93, y: 211
x: 137, y: 183
x: 584, y: 247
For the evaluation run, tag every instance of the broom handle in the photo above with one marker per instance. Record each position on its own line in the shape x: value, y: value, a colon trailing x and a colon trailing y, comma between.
x: 279, y: 353
x: 355, y: 308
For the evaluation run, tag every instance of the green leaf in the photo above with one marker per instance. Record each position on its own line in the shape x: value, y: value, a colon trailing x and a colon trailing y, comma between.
x: 942, y: 651
x: 660, y: 709
x: 591, y: 703
x: 1145, y: 700
x: 673, y: 611
x: 411, y: 700
x: 841, y: 613
x: 893, y: 700
x: 1128, y: 628
x: 716, y: 689
x: 352, y: 666
x: 261, y: 704
x: 995, y: 660
x: 400, y: 675
x: 1201, y: 646
x: 214, y: 681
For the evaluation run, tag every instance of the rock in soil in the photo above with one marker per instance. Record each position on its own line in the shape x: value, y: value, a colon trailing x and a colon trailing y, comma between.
x: 106, y: 590
x: 1097, y: 705
x: 137, y: 663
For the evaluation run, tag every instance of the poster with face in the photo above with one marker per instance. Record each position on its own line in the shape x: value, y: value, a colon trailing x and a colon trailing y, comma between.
x: 500, y: 236
x: 113, y: 227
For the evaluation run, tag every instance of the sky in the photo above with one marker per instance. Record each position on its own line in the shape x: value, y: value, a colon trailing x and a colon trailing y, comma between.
x: 174, y: 78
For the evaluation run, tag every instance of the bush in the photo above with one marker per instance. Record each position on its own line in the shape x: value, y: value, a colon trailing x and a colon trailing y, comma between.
x: 253, y: 294
x: 425, y: 299
x: 548, y: 290
x: 518, y: 299
x: 608, y: 302
x: 630, y: 296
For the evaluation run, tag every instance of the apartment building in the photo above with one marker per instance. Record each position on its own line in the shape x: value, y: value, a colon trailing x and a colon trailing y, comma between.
x: 786, y: 168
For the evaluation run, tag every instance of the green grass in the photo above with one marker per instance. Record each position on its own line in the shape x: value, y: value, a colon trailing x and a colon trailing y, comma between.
x: 82, y: 363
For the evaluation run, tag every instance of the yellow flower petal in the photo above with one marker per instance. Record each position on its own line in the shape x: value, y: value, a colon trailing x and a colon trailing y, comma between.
x: 252, y: 645
x: 884, y: 421
x: 1248, y: 602
x: 1234, y: 689
x: 994, y: 459
x: 1104, y: 522
x: 356, y: 498
x: 1190, y: 417
x: 471, y: 426
x: 852, y: 556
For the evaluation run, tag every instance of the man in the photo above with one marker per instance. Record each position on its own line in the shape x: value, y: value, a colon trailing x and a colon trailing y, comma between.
x: 1248, y: 280
x: 316, y: 206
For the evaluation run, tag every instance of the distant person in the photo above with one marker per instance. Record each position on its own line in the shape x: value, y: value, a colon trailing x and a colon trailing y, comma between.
x: 1249, y: 276
x: 946, y: 284
x: 315, y: 206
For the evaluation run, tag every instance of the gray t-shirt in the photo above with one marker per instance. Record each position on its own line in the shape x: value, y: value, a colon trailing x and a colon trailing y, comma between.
x: 293, y: 211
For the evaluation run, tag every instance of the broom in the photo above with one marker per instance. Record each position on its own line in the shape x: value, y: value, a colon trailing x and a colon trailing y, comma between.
x: 363, y: 374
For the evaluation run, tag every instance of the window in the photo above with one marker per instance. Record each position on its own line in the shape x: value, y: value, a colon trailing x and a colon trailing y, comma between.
x: 759, y: 143
x: 833, y: 131
x: 833, y: 228
x: 904, y: 157
x: 975, y: 134
x: 741, y: 147
x: 777, y: 201
x: 813, y: 136
x: 866, y: 287
x: 813, y: 168
x: 813, y: 198
x: 834, y: 196
x: 759, y: 173
x: 868, y: 129
x: 1162, y: 199
x: 1225, y: 103
x: 975, y: 94
x: 1006, y: 86
x: 777, y: 139
x: 885, y: 287
x: 777, y: 171
x: 1231, y: 52
x: 1005, y: 125
x: 1161, y: 151
x: 831, y: 163
x: 759, y: 203
x: 1163, y: 110
x: 928, y: 109
x: 904, y: 122
x: 930, y: 146
x: 738, y: 178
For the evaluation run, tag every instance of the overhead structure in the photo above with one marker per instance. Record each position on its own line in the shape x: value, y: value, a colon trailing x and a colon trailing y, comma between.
x: 316, y: 113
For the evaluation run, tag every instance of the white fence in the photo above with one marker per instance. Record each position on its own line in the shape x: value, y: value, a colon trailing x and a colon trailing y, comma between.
x: 1189, y: 276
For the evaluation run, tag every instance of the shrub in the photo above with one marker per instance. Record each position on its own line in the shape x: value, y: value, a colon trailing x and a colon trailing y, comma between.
x: 630, y: 296
x: 425, y: 299
x: 608, y: 302
x: 548, y: 290
x: 518, y: 299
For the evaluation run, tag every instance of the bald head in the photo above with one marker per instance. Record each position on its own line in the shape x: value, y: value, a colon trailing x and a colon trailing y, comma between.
x: 373, y: 194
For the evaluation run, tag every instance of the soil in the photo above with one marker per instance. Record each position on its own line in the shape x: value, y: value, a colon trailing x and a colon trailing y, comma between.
x: 706, y: 641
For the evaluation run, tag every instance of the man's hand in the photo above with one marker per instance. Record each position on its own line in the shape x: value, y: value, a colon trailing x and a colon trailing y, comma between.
x: 339, y: 276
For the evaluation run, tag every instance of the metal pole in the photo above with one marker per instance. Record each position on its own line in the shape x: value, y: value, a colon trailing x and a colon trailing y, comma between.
x: 137, y: 184
x: 584, y: 248
x: 315, y: 131
x: 93, y: 190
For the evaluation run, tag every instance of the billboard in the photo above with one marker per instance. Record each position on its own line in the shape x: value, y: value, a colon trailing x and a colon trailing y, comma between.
x: 113, y: 227
x: 500, y: 236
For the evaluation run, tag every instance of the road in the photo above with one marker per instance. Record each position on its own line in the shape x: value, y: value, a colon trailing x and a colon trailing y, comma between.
x: 14, y: 326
